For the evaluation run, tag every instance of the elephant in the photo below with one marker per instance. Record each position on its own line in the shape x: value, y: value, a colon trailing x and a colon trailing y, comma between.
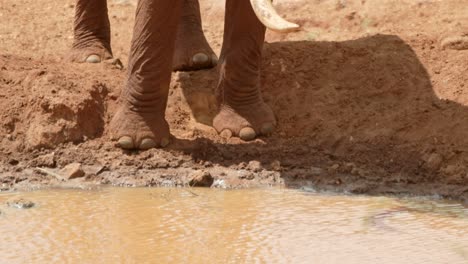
x: 167, y: 36
x: 92, y: 42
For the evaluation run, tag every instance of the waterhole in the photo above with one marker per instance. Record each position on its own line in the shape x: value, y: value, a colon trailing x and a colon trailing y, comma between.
x: 113, y: 225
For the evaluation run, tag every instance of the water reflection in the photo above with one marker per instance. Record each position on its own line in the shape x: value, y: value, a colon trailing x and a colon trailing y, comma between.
x: 238, y: 226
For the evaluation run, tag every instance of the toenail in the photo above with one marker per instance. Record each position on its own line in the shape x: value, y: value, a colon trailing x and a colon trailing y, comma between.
x: 126, y: 142
x: 147, y: 143
x: 164, y: 142
x: 93, y: 59
x: 214, y: 60
x: 267, y: 128
x: 247, y: 134
x: 226, y: 133
x: 200, y: 58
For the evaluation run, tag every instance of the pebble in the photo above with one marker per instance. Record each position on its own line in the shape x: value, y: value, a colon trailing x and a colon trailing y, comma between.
x: 72, y: 171
x: 201, y: 179
x: 221, y: 184
x: 21, y: 204
x: 255, y: 166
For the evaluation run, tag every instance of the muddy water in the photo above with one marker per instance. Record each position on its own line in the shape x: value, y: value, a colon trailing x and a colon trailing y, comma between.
x: 240, y: 226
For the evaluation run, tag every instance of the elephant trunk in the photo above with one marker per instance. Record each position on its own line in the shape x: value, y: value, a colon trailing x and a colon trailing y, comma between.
x: 269, y: 17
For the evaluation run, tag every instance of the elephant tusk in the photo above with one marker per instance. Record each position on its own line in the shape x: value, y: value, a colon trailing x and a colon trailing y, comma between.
x: 269, y: 17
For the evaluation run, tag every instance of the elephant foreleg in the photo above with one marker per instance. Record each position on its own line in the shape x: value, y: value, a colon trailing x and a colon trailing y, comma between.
x: 242, y: 110
x: 91, y: 32
x: 139, y: 122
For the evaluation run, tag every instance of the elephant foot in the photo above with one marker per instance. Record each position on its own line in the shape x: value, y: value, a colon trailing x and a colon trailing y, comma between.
x: 89, y: 52
x: 245, y: 121
x: 139, y: 130
x: 192, y: 51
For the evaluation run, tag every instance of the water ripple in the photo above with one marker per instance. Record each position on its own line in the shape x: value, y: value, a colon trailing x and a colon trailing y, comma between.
x: 236, y: 226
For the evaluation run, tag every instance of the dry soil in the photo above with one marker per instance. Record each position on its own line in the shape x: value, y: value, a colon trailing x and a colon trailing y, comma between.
x: 370, y: 97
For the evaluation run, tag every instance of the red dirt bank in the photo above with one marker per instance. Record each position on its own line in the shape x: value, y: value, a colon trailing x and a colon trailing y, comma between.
x: 357, y: 110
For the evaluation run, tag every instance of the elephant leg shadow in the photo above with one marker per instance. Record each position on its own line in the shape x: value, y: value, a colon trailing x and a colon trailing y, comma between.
x: 363, y: 101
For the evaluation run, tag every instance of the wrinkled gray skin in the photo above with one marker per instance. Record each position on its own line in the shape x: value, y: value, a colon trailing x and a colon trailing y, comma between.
x: 168, y: 35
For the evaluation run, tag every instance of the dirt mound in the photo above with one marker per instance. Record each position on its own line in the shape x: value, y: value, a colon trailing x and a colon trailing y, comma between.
x: 45, y: 104
x: 357, y: 110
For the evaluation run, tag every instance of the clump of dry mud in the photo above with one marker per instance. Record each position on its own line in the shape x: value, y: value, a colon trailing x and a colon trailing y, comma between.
x: 365, y: 113
x: 44, y: 106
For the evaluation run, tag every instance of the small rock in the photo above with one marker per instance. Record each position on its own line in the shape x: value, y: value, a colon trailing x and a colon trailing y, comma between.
x: 72, y: 171
x: 255, y: 166
x: 201, y: 179
x: 21, y: 204
x: 221, y: 184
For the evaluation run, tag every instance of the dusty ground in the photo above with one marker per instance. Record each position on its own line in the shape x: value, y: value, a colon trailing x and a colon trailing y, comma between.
x: 370, y: 96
